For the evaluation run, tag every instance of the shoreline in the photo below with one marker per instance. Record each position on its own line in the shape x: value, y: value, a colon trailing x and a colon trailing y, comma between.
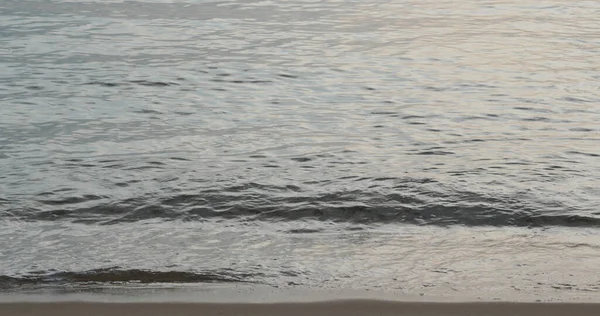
x: 261, y: 300
x: 332, y: 308
x: 266, y: 294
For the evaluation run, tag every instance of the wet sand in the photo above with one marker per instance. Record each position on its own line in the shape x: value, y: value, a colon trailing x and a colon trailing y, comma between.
x: 330, y: 308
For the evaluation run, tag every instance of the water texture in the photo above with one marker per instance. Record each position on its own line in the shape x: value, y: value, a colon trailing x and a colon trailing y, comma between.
x: 316, y: 116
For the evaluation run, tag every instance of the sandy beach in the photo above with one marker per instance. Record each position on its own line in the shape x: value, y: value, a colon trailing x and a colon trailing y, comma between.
x: 331, y: 308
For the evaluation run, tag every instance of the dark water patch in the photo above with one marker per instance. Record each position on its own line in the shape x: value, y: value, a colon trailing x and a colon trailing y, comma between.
x: 113, y: 166
x: 301, y: 159
x: 158, y: 163
x: 537, y: 119
x: 436, y: 89
x: 143, y: 167
x: 183, y: 113
x: 147, y: 111
x: 179, y: 159
x: 149, y: 83
x: 532, y: 109
x: 583, y: 153
x: 288, y: 76
x: 120, y: 275
x: 475, y: 140
x: 347, y: 177
x: 384, y: 179
x: 304, y: 231
x: 475, y: 117
x: 73, y: 200
x: 581, y: 129
x: 356, y: 228
x: 290, y: 273
x: 383, y: 113
x: 238, y: 81
x: 45, y: 193
x: 56, y: 191
x: 294, y: 188
x: 84, y: 165
x: 576, y: 100
x: 103, y: 84
x: 543, y: 220
x: 434, y: 153
x: 252, y: 81
x: 518, y: 163
x: 255, y: 186
x: 74, y: 160
x: 108, y: 161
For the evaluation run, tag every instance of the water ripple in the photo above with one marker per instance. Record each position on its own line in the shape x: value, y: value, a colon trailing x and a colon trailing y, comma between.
x: 427, y: 113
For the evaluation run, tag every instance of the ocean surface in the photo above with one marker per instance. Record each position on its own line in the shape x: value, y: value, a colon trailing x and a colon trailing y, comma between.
x: 418, y: 146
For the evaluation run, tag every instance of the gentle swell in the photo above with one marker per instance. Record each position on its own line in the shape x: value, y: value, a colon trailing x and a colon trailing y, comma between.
x: 403, y: 203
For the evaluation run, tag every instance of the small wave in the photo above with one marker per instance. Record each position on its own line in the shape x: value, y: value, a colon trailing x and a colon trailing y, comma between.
x: 102, y: 84
x: 371, y: 200
x: 72, y: 200
x: 118, y: 275
x: 242, y: 81
x: 149, y: 83
x: 146, y: 83
x: 434, y: 152
x: 385, y: 200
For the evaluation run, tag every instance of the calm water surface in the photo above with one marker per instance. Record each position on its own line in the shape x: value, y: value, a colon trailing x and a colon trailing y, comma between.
x: 265, y: 141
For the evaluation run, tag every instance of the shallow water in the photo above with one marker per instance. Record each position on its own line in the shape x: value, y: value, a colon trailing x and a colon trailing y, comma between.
x: 303, y: 121
x: 464, y: 262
